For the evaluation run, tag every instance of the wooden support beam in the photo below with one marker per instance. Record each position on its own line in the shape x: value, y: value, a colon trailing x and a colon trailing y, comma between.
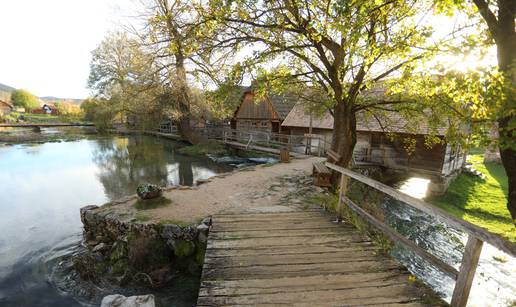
x: 467, y: 272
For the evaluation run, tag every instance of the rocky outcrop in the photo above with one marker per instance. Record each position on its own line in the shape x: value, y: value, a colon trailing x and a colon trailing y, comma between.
x: 149, y: 191
x: 118, y: 300
x: 129, y: 251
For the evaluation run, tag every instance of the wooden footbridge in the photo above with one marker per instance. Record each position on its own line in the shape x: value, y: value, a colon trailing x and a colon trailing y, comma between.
x: 299, y: 258
x: 283, y: 256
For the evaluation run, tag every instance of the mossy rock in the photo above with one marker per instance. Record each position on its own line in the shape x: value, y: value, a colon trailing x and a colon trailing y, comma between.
x: 120, y: 267
x: 199, y: 255
x: 119, y: 252
x: 184, y: 248
x: 149, y: 191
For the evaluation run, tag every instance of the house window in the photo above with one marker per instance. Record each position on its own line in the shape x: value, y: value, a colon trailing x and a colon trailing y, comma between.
x: 265, y: 124
x: 376, y: 139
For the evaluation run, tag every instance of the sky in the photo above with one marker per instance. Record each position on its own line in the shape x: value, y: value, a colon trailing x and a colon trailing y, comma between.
x: 46, y: 45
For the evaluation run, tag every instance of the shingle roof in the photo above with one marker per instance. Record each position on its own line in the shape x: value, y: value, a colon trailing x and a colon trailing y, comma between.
x: 5, y: 103
x: 283, y: 104
x: 392, y: 122
x: 298, y: 117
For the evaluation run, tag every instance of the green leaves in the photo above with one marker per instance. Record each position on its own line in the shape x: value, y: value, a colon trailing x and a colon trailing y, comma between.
x: 23, y: 98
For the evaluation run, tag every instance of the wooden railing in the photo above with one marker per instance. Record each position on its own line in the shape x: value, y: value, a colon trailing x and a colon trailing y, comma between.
x: 476, y: 235
x: 303, y: 144
x: 315, y: 145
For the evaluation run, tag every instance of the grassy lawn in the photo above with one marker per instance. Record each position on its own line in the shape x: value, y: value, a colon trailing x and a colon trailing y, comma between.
x: 45, y: 118
x: 481, y: 202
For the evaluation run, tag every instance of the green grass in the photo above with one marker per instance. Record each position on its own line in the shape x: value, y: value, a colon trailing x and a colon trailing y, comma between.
x: 45, y: 118
x: 152, y: 203
x: 142, y: 217
x: 209, y: 147
x: 481, y: 202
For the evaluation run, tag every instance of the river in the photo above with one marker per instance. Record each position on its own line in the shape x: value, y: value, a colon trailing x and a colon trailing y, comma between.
x: 42, y: 187
x: 495, y: 278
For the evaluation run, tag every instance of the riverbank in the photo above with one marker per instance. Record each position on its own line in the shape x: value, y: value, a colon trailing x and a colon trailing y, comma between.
x: 240, y: 189
x: 481, y: 201
x: 9, y: 135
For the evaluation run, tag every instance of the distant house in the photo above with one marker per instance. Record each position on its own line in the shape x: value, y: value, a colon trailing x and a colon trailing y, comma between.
x: 384, y: 146
x: 5, y: 108
x: 47, y: 108
x: 264, y: 115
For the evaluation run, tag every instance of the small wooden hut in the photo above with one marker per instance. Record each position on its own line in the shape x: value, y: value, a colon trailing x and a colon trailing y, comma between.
x: 264, y: 115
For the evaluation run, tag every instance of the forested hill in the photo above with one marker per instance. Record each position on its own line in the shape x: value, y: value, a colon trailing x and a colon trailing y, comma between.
x: 5, y: 94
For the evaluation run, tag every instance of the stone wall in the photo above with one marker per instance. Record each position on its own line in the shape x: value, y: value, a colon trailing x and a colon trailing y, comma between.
x: 126, y: 251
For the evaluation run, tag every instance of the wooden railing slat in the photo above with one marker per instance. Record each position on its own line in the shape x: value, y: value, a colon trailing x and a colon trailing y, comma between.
x: 467, y: 227
x: 396, y: 237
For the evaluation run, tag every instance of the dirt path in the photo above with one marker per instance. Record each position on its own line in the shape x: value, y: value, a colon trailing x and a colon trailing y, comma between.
x: 258, y: 187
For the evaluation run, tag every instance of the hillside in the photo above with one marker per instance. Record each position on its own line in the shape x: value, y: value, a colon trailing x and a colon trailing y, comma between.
x: 6, y: 88
x: 57, y: 99
x: 5, y: 94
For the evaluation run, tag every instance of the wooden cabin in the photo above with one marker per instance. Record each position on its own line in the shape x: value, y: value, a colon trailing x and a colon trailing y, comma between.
x: 46, y: 108
x: 5, y: 108
x: 385, y: 146
x: 265, y: 115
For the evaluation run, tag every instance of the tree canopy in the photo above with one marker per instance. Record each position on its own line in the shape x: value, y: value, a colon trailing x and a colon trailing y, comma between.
x: 23, y: 98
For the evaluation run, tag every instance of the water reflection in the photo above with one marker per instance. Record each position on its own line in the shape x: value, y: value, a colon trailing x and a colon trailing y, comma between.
x: 123, y: 163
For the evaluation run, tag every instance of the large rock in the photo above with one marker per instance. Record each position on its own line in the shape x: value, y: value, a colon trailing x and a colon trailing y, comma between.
x: 118, y: 300
x: 149, y: 191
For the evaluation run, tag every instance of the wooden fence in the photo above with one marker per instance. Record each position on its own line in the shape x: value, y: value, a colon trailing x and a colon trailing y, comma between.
x: 315, y: 145
x: 302, y: 144
x: 476, y: 235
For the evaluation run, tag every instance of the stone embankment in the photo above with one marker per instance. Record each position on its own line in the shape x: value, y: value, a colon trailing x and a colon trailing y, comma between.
x: 129, y: 250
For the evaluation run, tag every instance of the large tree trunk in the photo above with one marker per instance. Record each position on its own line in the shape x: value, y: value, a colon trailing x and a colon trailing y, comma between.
x: 183, y: 104
x: 506, y: 48
x: 344, y: 133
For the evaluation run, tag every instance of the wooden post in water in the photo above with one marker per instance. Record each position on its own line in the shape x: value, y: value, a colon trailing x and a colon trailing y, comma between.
x: 466, y: 272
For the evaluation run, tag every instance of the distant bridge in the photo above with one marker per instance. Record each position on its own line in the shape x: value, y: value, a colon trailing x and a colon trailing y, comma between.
x: 45, y: 125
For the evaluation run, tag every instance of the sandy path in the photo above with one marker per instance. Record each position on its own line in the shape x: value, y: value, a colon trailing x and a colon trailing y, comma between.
x: 242, y: 189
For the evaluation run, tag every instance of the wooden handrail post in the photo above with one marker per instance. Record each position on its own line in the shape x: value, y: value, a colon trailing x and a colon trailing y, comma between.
x: 342, y: 188
x: 466, y: 272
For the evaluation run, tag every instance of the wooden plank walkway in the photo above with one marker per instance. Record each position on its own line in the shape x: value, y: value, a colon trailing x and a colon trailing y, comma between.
x: 263, y: 149
x: 290, y: 257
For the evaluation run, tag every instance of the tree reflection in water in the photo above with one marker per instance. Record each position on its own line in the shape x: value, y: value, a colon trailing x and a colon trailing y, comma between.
x: 125, y: 162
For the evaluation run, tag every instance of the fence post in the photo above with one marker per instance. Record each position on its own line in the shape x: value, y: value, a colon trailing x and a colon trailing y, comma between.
x: 342, y: 188
x: 466, y: 272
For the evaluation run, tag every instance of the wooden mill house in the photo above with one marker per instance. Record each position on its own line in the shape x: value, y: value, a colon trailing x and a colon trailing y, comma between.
x: 384, y: 146
x: 264, y: 115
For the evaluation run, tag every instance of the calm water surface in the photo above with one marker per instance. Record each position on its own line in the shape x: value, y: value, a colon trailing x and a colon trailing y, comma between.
x: 42, y: 187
